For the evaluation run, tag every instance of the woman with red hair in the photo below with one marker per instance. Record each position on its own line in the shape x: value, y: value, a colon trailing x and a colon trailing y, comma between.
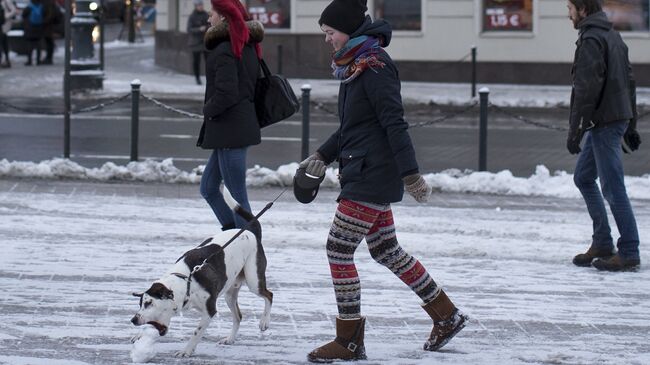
x: 229, y: 121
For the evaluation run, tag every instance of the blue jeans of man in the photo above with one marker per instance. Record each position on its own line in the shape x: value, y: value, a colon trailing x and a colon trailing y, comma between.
x: 227, y: 165
x: 601, y: 158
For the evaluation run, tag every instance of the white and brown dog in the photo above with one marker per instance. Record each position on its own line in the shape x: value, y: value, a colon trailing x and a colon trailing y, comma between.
x: 222, y: 270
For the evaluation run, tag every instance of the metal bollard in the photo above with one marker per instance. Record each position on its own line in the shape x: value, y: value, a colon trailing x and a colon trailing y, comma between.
x: 482, y: 145
x: 473, y: 71
x: 135, y: 118
x: 306, y: 89
x: 279, y: 59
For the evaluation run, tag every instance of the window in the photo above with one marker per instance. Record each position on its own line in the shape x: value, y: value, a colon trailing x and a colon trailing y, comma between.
x: 508, y: 15
x: 274, y: 14
x: 628, y: 15
x: 401, y: 14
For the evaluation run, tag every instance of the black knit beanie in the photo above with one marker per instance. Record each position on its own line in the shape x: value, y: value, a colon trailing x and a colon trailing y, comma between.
x: 344, y: 15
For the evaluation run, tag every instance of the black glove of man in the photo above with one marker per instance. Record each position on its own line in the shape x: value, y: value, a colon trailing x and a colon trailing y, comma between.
x: 631, y: 140
x: 573, y: 140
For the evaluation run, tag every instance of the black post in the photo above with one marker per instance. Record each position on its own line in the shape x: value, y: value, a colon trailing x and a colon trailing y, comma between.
x: 66, y: 81
x: 306, y: 89
x: 135, y: 118
x: 102, y: 16
x: 131, y: 19
x: 473, y: 71
x: 280, y: 59
x: 482, y: 149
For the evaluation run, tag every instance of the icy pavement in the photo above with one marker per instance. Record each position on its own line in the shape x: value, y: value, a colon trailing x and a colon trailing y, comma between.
x: 73, y: 251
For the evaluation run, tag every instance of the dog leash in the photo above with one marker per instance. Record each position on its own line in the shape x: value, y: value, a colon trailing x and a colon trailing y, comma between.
x: 241, y: 230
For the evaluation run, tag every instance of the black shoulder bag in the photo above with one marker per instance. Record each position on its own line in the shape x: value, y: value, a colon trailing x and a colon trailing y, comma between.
x: 274, y: 98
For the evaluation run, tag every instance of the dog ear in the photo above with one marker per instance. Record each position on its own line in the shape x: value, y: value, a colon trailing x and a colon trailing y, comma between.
x: 139, y: 295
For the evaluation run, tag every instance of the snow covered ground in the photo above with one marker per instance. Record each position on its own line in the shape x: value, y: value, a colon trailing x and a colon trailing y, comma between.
x: 541, y: 183
x: 72, y: 251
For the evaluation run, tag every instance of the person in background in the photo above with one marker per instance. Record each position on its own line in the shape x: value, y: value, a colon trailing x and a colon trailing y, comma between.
x: 53, y: 19
x: 33, y: 21
x: 603, y: 110
x: 8, y: 11
x: 376, y: 164
x: 230, y: 123
x: 197, y: 24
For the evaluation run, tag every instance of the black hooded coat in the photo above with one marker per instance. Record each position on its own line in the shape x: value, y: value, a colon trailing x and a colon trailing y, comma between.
x: 372, y: 144
x: 229, y: 118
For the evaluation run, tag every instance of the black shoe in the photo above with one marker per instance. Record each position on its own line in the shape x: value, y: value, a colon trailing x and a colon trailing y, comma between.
x: 585, y: 259
x: 28, y: 63
x: 6, y: 64
x: 617, y: 263
x: 198, y: 81
x: 47, y: 61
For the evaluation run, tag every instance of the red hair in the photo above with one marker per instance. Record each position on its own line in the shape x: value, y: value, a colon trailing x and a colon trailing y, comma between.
x: 236, y: 16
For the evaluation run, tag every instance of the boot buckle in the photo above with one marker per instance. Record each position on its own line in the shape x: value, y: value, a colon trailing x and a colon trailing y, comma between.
x: 352, y: 346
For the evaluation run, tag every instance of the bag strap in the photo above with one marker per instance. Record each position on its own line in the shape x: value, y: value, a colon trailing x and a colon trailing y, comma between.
x: 265, y: 69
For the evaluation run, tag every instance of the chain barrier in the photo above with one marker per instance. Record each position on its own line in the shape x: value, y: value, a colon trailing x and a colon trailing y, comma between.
x: 526, y: 120
x: 445, y: 117
x: 101, y: 105
x: 171, y: 109
x: 74, y: 111
x: 452, y: 63
x: 30, y: 111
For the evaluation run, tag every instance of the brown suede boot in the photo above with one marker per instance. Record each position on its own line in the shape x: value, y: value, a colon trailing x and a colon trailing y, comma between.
x: 347, y: 346
x: 617, y: 263
x: 585, y: 259
x: 447, y: 321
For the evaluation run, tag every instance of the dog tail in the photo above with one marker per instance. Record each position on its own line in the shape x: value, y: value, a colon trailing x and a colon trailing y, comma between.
x: 254, y: 225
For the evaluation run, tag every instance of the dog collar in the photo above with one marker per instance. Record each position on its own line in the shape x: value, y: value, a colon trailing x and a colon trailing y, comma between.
x: 187, y: 279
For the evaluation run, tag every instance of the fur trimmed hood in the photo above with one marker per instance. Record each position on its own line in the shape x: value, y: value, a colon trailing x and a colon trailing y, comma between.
x: 220, y: 33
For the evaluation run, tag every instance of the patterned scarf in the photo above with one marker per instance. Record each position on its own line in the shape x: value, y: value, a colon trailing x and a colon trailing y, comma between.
x: 358, y: 55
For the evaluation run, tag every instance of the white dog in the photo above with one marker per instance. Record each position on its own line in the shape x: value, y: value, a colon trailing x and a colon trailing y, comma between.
x: 220, y: 270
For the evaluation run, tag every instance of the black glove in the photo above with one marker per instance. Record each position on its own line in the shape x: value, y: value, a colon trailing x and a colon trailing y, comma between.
x: 631, y: 140
x: 573, y: 142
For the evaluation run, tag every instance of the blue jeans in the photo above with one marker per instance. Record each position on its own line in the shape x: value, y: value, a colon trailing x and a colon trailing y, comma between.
x: 601, y: 157
x: 227, y: 165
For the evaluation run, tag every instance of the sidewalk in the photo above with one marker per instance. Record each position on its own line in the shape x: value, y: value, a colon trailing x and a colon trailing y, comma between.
x: 73, y: 251
x: 126, y: 62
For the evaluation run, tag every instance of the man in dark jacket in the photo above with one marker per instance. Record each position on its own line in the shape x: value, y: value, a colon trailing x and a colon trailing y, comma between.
x: 376, y: 163
x: 197, y: 24
x: 603, y: 110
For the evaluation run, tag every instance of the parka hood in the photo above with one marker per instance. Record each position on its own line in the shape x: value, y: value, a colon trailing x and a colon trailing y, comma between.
x: 379, y: 28
x: 220, y: 33
x: 598, y: 19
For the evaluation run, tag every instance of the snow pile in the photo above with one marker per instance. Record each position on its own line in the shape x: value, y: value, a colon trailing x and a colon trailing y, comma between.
x: 144, y: 346
x: 541, y: 183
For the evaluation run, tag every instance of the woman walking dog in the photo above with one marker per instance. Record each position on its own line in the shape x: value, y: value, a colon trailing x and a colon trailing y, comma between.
x: 230, y: 123
x: 376, y: 162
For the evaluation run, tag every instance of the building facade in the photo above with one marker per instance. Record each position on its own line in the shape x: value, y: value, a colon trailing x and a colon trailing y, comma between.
x: 517, y: 41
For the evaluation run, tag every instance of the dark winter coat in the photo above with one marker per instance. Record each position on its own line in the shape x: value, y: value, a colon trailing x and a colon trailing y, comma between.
x: 195, y: 34
x: 229, y: 119
x: 603, y: 84
x: 53, y: 21
x: 372, y: 144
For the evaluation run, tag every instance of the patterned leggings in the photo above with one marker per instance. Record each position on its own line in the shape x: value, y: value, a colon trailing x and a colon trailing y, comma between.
x: 354, y: 221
